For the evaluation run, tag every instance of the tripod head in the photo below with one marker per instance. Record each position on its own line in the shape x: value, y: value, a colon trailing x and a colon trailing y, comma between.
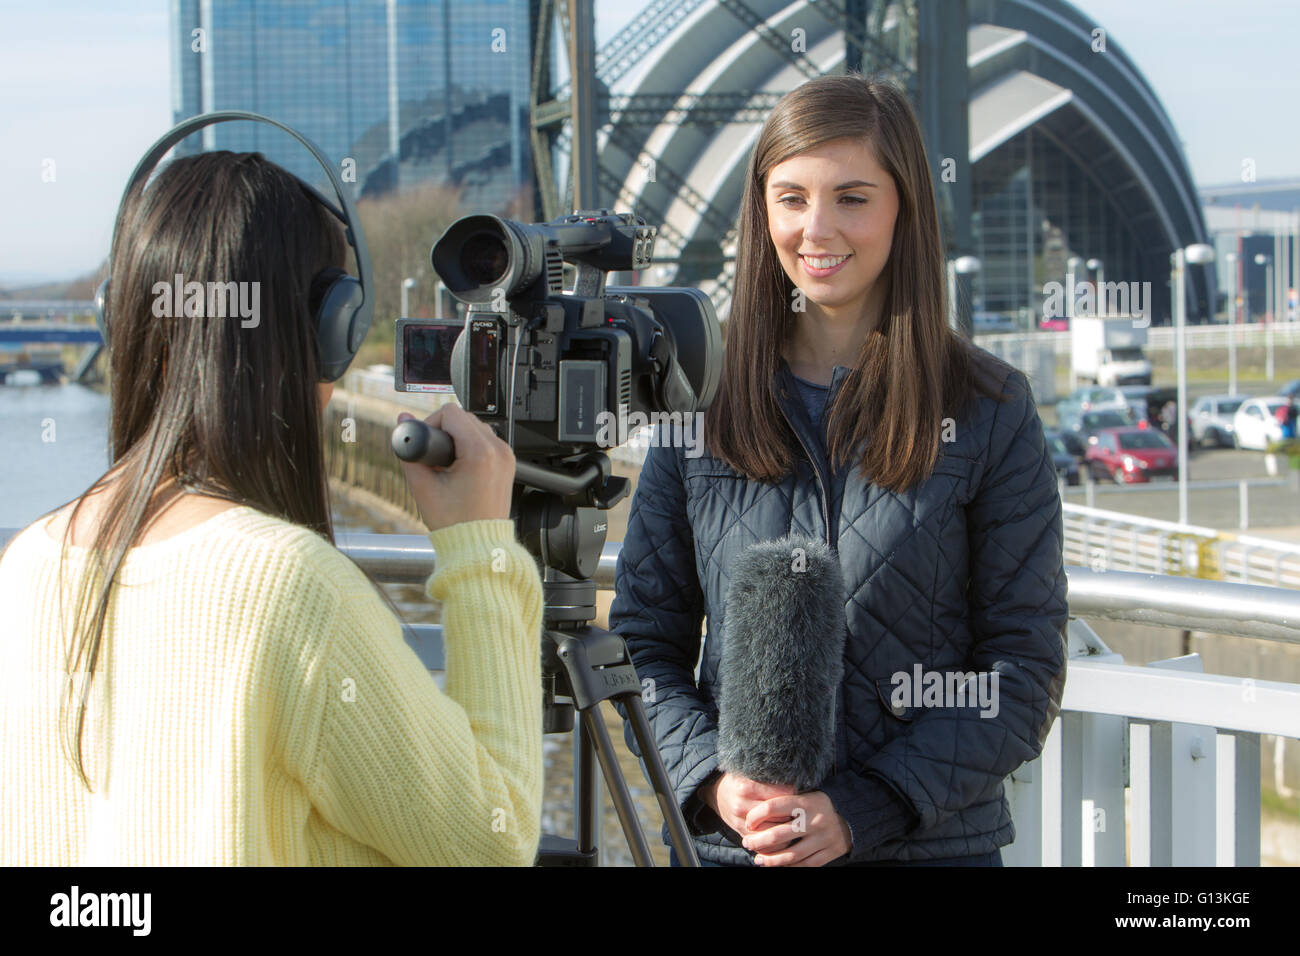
x: 560, y: 519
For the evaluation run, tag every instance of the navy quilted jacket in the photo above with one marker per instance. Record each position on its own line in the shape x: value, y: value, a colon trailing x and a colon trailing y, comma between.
x: 962, y: 572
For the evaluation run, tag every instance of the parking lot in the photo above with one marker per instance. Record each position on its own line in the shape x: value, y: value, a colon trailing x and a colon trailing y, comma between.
x: 1274, y: 505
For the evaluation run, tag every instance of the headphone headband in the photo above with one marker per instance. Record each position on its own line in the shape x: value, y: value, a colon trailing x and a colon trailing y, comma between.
x: 351, y: 302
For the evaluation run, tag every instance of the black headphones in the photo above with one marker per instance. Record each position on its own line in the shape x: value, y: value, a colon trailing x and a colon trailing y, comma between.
x: 345, y: 310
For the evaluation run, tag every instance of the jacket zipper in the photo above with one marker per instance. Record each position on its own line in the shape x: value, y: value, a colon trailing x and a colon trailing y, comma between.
x: 826, y: 520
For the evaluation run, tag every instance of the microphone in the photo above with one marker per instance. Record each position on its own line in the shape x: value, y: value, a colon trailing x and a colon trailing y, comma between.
x: 782, y: 660
x: 417, y: 441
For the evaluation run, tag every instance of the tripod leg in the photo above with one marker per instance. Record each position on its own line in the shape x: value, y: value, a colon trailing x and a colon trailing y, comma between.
x: 584, y: 789
x: 659, y: 781
x: 618, y: 792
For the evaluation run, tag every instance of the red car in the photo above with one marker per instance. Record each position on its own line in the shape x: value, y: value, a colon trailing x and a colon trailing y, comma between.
x: 1131, y: 455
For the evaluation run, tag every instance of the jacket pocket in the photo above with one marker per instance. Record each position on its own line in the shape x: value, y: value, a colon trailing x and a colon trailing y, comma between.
x: 707, y: 466
x: 885, y: 690
x: 960, y: 469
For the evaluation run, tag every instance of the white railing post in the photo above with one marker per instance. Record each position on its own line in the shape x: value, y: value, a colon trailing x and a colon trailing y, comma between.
x: 1183, y: 759
x: 1246, y: 820
x: 1105, y: 775
x: 1024, y: 791
x: 1237, y: 795
x: 1071, y: 775
x: 1139, y: 834
x: 1182, y: 794
x: 1050, y: 763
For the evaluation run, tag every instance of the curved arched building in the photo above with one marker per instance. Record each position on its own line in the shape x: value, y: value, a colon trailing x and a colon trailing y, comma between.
x: 1071, y: 152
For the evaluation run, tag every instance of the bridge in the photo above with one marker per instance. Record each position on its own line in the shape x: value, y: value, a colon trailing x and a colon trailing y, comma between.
x: 45, y: 308
x: 31, y: 324
x: 25, y: 333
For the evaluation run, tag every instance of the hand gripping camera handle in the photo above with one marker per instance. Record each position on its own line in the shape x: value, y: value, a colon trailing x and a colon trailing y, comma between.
x: 417, y: 441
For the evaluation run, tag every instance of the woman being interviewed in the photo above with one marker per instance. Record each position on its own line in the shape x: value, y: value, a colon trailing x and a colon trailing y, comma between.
x: 849, y: 412
x: 195, y: 674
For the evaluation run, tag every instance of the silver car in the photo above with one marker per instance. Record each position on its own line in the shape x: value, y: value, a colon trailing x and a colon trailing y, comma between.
x: 1212, y: 419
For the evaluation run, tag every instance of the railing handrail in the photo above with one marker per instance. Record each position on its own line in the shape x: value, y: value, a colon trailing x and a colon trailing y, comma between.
x: 1120, y: 517
x: 1245, y: 610
x: 1153, y: 694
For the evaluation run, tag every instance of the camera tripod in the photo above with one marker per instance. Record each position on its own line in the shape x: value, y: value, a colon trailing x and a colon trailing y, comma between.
x: 584, y: 663
x: 560, y: 520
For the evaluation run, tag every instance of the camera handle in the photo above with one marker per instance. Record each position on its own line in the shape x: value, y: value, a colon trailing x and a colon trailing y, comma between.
x: 583, y: 663
x: 671, y: 383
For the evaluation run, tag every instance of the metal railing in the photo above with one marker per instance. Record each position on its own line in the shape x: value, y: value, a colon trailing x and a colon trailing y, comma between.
x: 1114, y: 540
x: 1160, y: 339
x: 1162, y: 759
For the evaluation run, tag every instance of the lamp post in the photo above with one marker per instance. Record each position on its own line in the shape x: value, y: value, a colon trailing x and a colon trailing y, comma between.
x: 407, y: 286
x: 962, y: 265
x: 1231, y: 259
x: 1099, y: 284
x: 1071, y: 265
x: 1267, y: 263
x: 1197, y: 254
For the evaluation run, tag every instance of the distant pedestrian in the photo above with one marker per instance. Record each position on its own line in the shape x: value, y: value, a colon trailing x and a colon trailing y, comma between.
x: 1169, y: 418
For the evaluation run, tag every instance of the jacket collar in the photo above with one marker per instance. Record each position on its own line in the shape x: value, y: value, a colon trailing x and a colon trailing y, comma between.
x: 788, y: 397
x: 785, y: 379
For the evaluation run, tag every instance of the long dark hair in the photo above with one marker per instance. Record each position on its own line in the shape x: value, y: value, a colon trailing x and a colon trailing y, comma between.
x: 912, y: 370
x: 214, y: 406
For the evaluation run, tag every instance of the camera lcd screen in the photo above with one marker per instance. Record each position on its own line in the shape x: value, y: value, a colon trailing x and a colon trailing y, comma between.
x: 427, y: 352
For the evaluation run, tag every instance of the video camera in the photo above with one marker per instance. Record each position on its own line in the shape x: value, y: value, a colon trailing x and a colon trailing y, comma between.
x: 548, y: 369
x: 545, y: 367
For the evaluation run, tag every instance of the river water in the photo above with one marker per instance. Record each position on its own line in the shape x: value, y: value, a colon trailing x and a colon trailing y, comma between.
x: 53, y: 445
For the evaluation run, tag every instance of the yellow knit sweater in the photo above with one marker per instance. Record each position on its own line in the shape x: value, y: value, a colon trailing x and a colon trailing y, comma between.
x: 258, y: 705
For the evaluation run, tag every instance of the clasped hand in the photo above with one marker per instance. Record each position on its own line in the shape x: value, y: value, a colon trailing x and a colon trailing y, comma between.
x: 782, y: 827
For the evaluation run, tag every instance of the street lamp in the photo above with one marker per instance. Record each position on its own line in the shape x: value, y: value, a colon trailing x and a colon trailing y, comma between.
x: 1197, y: 254
x: 1071, y: 265
x: 1267, y: 263
x: 407, y: 286
x: 1231, y: 259
x: 962, y: 265
x: 1099, y: 285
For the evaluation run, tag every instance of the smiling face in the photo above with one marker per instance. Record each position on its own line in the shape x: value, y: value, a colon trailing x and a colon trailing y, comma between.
x: 830, y: 214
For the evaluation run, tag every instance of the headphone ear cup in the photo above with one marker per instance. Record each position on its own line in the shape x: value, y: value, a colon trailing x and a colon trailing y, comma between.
x: 339, y: 332
x: 101, y: 310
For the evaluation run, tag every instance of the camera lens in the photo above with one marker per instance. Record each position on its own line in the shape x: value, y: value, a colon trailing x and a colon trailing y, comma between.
x: 484, y: 258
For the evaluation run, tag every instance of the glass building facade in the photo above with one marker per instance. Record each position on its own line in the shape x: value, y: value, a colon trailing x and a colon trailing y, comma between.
x: 1035, y: 207
x: 411, y: 91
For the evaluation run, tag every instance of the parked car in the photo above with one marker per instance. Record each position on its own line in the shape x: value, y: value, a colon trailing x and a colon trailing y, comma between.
x: 989, y: 323
x: 1212, y: 419
x: 1076, y: 431
x: 1067, y: 466
x: 1256, y: 423
x: 1131, y: 455
x: 1089, y: 398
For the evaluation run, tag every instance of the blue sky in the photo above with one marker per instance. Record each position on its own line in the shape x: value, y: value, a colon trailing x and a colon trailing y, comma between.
x: 87, y: 84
